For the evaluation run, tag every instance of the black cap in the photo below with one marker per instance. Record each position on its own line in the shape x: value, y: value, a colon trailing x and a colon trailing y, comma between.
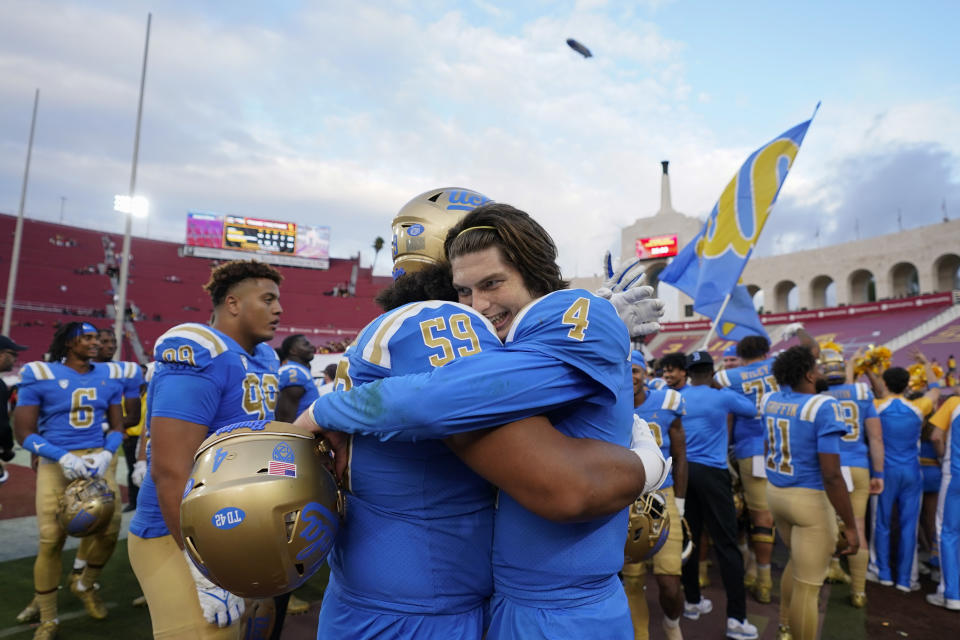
x: 699, y: 357
x: 6, y: 344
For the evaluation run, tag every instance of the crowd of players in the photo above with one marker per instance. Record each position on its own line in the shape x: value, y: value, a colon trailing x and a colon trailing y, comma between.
x: 485, y: 372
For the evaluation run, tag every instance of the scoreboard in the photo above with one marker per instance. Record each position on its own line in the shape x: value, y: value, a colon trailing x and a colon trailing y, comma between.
x: 303, y: 245
x: 657, y: 247
x: 252, y: 234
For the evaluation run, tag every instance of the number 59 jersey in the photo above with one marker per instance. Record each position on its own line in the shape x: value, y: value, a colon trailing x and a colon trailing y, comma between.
x: 856, y: 405
x: 203, y: 376
x: 433, y: 506
x: 72, y: 405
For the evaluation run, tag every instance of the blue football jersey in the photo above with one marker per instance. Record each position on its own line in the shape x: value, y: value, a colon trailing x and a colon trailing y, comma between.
x: 526, y: 378
x: 752, y: 380
x: 705, y: 423
x: 224, y: 384
x: 660, y: 409
x: 294, y: 374
x: 902, y: 421
x: 419, y: 523
x: 73, y: 405
x: 856, y: 405
x: 128, y: 373
x: 800, y: 426
x: 567, y: 356
x: 656, y: 384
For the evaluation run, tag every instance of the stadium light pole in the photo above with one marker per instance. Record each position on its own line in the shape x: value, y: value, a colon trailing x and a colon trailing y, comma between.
x: 120, y: 315
x: 18, y: 233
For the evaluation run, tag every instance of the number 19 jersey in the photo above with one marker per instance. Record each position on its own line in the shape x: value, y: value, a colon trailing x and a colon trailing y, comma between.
x: 660, y: 409
x: 856, y: 405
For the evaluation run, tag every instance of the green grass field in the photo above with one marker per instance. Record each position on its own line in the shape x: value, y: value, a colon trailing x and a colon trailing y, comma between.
x: 119, y: 588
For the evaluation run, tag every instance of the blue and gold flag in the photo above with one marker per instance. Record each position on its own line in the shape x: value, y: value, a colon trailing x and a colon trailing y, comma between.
x: 710, y: 266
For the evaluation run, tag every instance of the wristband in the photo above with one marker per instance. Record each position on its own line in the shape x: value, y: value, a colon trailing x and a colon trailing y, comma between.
x: 934, y: 385
x: 114, y: 440
x: 876, y: 474
x: 35, y: 443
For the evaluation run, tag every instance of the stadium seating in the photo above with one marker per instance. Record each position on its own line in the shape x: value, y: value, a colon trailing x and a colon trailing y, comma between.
x: 164, y: 287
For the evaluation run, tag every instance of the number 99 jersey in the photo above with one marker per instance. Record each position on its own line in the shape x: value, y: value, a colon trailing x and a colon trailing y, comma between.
x: 203, y: 376
x: 856, y: 405
x: 660, y: 409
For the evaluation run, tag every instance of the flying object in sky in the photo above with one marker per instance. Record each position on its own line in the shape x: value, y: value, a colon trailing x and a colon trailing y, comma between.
x: 579, y: 48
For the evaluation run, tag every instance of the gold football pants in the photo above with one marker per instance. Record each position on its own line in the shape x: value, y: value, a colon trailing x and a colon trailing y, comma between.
x: 170, y: 591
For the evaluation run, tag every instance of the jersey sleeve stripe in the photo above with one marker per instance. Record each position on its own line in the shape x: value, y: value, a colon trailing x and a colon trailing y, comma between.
x: 722, y: 378
x: 671, y: 400
x: 41, y: 370
x: 199, y: 334
x: 812, y: 406
x: 377, y: 351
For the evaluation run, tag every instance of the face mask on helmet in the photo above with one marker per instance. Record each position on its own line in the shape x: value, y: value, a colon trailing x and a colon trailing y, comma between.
x: 649, y: 527
x: 421, y: 226
x: 832, y: 366
x: 86, y: 507
x: 261, y: 491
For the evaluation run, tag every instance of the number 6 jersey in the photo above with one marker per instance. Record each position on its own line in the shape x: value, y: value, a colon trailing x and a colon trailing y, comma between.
x: 203, y: 376
x: 72, y: 405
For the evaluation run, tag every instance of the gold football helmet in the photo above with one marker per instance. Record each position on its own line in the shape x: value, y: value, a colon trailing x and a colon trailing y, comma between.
x: 261, y: 508
x: 833, y: 366
x: 649, y: 527
x: 421, y: 226
x: 86, y: 507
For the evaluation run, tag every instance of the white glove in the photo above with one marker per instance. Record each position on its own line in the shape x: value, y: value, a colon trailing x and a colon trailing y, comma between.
x: 220, y: 607
x: 98, y: 462
x: 681, y: 503
x: 73, y: 467
x: 631, y: 274
x: 139, y: 472
x: 638, y: 310
x: 791, y: 330
x: 643, y: 444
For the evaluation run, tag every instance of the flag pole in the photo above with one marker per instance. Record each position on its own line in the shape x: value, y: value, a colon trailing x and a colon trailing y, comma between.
x: 18, y: 233
x: 713, y: 325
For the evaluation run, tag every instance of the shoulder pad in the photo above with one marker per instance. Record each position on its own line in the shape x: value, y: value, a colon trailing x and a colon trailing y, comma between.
x: 578, y: 328
x: 266, y: 354
x: 722, y: 378
x: 812, y: 406
x: 189, y: 344
x: 383, y: 336
x: 36, y: 372
x: 672, y: 400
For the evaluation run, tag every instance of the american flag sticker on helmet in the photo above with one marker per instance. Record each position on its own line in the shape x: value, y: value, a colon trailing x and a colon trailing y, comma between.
x: 277, y: 468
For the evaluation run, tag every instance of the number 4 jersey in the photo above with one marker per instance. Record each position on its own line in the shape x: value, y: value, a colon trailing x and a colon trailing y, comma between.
x: 203, y: 376
x: 72, y: 405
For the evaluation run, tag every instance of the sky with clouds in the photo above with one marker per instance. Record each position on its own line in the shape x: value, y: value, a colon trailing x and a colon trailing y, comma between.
x: 337, y: 113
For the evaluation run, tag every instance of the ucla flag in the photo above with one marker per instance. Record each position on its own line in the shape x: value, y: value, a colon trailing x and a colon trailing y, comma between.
x: 735, y: 223
x: 709, y: 267
x: 739, y: 318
